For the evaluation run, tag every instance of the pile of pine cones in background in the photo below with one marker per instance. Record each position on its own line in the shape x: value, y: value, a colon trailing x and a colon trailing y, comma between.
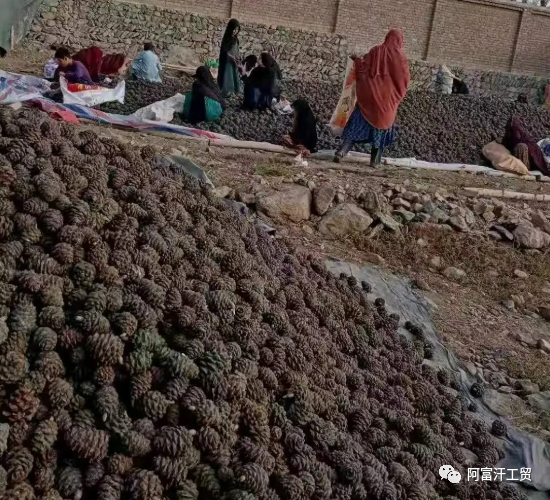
x: 432, y: 127
x: 154, y: 345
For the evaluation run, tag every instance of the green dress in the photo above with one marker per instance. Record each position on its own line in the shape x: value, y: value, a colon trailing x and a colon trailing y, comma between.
x: 213, y: 108
x: 231, y: 80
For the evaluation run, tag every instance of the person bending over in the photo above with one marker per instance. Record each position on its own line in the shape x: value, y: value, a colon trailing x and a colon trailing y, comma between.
x: 303, y: 138
x: 73, y: 71
x: 260, y: 87
x: 204, y: 103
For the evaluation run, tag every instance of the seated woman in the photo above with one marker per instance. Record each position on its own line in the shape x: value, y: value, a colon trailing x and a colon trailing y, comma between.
x: 249, y: 63
x: 146, y: 65
x: 520, y: 143
x: 259, y: 87
x: 460, y: 87
x: 278, y: 78
x: 204, y: 102
x: 74, y: 71
x: 303, y: 138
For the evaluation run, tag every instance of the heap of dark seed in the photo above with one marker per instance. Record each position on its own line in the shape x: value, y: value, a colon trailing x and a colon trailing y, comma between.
x: 432, y: 127
x: 154, y: 344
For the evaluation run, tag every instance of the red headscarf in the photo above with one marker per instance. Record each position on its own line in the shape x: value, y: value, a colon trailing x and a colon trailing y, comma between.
x: 382, y: 80
x: 91, y: 58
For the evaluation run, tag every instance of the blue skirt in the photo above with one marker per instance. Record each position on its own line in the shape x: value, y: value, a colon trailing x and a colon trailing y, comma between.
x: 360, y: 130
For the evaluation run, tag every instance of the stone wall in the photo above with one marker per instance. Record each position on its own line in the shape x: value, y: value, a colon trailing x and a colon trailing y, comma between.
x: 123, y: 27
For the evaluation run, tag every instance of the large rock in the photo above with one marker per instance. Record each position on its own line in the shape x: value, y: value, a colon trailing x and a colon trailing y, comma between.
x: 344, y: 220
x: 322, y: 198
x: 540, y: 221
x: 504, y: 404
x: 530, y: 237
x: 293, y: 202
x: 540, y: 400
x: 372, y: 202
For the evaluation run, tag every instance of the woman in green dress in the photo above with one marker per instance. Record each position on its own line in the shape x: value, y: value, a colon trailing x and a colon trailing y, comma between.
x: 204, y: 103
x: 228, y: 71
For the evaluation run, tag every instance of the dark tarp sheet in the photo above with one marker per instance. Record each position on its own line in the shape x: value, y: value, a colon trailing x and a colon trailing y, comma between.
x: 522, y: 449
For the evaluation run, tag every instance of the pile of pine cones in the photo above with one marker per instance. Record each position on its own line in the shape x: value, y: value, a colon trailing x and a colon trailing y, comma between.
x: 154, y: 345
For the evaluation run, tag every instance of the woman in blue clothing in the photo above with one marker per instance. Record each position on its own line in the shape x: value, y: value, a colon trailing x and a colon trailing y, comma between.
x: 228, y: 70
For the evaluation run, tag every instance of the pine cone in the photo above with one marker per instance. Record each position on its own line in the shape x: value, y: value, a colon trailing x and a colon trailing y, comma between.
x: 23, y: 491
x: 154, y: 405
x: 45, y: 435
x: 144, y: 485
x: 253, y: 478
x: 50, y: 365
x: 119, y: 465
x: 13, y: 367
x: 86, y: 443
x: 93, y: 475
x: 60, y: 393
x: 19, y: 462
x: 105, y: 349
x: 136, y: 444
x: 110, y: 488
x: 69, y: 482
x: 22, y: 405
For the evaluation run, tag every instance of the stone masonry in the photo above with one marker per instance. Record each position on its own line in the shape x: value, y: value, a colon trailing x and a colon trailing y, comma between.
x: 123, y: 27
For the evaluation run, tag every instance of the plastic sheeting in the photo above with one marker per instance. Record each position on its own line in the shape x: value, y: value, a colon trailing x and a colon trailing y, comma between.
x: 414, y: 163
x: 522, y: 449
x: 16, y: 14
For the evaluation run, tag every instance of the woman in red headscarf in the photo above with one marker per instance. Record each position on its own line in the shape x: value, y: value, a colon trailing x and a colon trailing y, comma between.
x: 382, y: 78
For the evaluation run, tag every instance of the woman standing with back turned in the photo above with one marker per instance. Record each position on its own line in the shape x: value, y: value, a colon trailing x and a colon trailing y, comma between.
x: 382, y: 78
x: 228, y: 71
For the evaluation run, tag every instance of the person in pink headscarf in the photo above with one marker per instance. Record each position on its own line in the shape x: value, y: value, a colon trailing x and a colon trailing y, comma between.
x: 382, y: 78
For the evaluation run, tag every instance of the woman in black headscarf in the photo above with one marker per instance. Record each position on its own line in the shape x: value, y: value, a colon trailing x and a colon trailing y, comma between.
x: 260, y: 86
x: 204, y: 102
x: 228, y: 72
x: 303, y: 138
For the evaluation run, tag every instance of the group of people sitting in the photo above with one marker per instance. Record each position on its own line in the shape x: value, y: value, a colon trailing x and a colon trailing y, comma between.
x: 89, y: 65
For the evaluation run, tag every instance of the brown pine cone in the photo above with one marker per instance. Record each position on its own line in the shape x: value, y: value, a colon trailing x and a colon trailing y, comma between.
x: 154, y: 405
x: 144, y: 485
x: 136, y: 444
x: 19, y: 462
x: 105, y: 349
x: 22, y: 405
x: 69, y: 482
x: 43, y: 479
x: 45, y: 435
x: 23, y: 491
x: 175, y: 442
x: 119, y: 465
x: 50, y: 365
x: 94, y: 474
x: 86, y: 443
x: 110, y: 488
x: 60, y: 393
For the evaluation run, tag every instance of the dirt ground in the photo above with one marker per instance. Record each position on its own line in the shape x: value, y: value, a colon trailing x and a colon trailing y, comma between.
x: 469, y: 315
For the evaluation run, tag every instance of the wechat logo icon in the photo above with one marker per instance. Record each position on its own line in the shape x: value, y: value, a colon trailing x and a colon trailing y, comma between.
x: 449, y: 473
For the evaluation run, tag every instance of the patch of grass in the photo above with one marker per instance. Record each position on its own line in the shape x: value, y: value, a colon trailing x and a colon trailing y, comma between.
x: 489, y: 266
x: 534, y: 367
x: 272, y: 169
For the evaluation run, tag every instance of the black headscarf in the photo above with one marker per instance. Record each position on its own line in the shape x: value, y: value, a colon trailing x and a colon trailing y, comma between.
x: 229, y: 39
x: 204, y: 86
x: 268, y: 59
x: 305, y: 125
x: 263, y: 77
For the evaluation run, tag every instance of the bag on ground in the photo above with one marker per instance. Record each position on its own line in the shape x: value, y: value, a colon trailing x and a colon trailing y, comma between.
x: 502, y: 159
x: 91, y: 95
x: 346, y: 103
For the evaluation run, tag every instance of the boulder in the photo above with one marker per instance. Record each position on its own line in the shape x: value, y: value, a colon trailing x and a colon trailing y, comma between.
x: 527, y: 386
x: 504, y: 404
x: 530, y: 237
x: 372, y: 202
x: 322, y: 198
x: 454, y: 273
x: 403, y: 215
x: 293, y: 202
x: 344, y: 220
x: 389, y: 222
x: 540, y: 400
x: 459, y: 223
x: 540, y: 221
